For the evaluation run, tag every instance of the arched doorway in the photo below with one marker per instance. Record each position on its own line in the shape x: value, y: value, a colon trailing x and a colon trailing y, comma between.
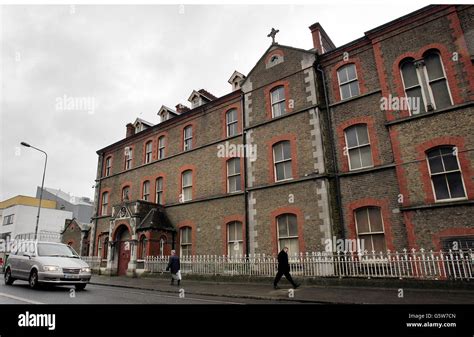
x: 122, y: 237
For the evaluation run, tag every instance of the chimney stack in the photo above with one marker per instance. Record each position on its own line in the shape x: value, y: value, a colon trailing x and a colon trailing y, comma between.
x: 130, y: 130
x: 321, y: 41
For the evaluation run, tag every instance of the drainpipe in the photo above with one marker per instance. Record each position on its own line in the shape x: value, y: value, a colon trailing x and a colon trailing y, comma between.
x: 333, y: 151
x: 244, y: 142
x: 97, y: 193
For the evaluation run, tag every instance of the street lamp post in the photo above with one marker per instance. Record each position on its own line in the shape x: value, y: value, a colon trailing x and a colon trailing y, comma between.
x: 42, y: 185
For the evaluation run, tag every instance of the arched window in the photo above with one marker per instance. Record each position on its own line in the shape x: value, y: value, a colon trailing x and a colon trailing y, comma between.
x: 445, y: 173
x: 370, y: 229
x: 161, y: 147
x: 278, y: 101
x: 358, y: 147
x: 126, y: 193
x: 348, y: 82
x: 231, y: 122
x: 288, y: 233
x: 425, y: 83
x: 233, y: 175
x: 148, y: 151
x: 146, y: 191
x: 282, y: 160
x: 185, y: 239
x: 234, y: 239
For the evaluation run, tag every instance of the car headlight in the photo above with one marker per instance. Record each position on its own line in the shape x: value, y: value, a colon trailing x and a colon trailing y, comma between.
x: 51, y: 268
x: 85, y: 270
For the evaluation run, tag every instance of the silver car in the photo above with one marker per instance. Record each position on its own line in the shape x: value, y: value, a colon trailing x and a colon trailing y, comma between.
x: 49, y: 263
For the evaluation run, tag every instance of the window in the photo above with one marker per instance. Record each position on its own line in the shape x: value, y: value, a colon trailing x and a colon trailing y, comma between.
x: 370, y: 230
x: 445, y: 173
x: 348, y: 82
x: 108, y: 166
x: 424, y: 80
x: 148, y: 151
x: 358, y: 147
x: 105, y: 203
x: 161, y: 147
x: 146, y: 190
x: 126, y: 193
x: 8, y: 220
x: 234, y: 239
x: 105, y: 253
x: 233, y: 175
x: 188, y: 138
x: 277, y: 96
x: 282, y: 160
x: 231, y: 122
x: 128, y: 158
x: 142, y: 248
x: 187, y: 185
x: 159, y: 191
x: 162, y: 246
x: 288, y: 233
x: 185, y: 241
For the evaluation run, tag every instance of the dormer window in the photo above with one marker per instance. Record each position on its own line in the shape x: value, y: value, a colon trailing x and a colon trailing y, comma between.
x: 166, y: 113
x: 236, y: 80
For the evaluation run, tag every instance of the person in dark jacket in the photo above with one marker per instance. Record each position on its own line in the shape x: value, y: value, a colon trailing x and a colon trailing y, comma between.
x: 174, y: 267
x: 284, y: 269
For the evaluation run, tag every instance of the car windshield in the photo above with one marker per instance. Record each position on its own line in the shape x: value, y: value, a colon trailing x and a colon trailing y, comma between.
x: 49, y: 249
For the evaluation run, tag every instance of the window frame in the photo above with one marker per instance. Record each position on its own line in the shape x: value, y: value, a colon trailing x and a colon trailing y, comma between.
x: 348, y: 82
x: 126, y: 187
x: 128, y: 159
x: 230, y: 124
x: 366, y: 208
x: 105, y: 197
x: 187, y: 146
x: 148, y: 152
x: 187, y: 186
x: 272, y: 103
x: 161, y: 147
x: 445, y: 173
x: 188, y: 244
x: 108, y: 166
x: 146, y: 190
x: 294, y: 237
x: 161, y: 195
x: 282, y: 161
x: 231, y: 243
x: 229, y: 176
x: 358, y: 147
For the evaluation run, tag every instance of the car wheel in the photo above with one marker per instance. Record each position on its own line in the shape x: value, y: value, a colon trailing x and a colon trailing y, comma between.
x: 33, y: 281
x: 81, y: 286
x: 8, y: 277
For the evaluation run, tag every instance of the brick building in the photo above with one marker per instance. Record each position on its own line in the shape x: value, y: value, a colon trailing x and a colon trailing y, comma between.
x: 310, y: 145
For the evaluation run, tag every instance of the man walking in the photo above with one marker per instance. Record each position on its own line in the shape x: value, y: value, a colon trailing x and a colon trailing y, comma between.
x: 174, y: 267
x: 284, y: 269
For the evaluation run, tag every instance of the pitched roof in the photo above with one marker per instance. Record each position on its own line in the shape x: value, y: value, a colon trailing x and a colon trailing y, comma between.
x: 156, y: 218
x: 207, y: 94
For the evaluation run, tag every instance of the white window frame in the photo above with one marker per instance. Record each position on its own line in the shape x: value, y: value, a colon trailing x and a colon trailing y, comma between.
x: 445, y: 173
x: 233, y: 175
x: 293, y: 237
x: 187, y: 186
x: 128, y: 158
x: 231, y: 243
x: 123, y: 194
x: 148, y: 151
x: 108, y: 165
x: 278, y: 102
x: 8, y: 219
x: 187, y: 146
x: 189, y: 244
x: 229, y: 124
x: 146, y: 190
x: 357, y: 147
x: 104, y: 204
x: 348, y: 81
x: 366, y: 208
x: 282, y: 161
x: 428, y: 82
x: 161, y: 147
x: 159, y: 193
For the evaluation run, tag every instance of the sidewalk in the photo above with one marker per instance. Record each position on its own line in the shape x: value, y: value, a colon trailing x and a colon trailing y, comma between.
x: 304, y: 294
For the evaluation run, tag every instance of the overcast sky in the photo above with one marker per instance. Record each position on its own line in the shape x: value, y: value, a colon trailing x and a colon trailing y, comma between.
x: 128, y: 61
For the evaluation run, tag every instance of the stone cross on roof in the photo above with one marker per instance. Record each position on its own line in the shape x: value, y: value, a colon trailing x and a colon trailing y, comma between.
x: 272, y: 34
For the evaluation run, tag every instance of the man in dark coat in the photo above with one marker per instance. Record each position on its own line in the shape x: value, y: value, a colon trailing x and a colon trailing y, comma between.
x: 283, y: 269
x: 174, y: 267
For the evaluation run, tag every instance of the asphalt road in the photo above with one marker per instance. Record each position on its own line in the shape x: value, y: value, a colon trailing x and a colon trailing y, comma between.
x: 20, y: 293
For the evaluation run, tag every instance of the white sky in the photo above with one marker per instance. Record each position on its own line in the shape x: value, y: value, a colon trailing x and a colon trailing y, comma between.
x: 130, y: 60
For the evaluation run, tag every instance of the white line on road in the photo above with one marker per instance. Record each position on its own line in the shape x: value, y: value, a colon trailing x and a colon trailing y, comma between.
x: 20, y: 298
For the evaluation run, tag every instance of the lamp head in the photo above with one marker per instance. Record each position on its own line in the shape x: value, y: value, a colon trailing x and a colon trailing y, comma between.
x: 25, y: 144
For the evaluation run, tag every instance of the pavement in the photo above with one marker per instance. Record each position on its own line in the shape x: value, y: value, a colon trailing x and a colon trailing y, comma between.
x: 304, y: 294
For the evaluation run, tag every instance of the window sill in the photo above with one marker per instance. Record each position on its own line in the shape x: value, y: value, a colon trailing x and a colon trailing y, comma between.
x: 464, y: 202
x: 367, y: 170
x: 348, y: 100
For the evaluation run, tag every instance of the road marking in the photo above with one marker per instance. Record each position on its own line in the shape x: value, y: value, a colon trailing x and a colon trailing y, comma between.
x: 20, y: 299
x: 169, y: 296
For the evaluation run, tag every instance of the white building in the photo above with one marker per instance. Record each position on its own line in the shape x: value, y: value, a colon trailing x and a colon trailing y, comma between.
x: 18, y: 218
